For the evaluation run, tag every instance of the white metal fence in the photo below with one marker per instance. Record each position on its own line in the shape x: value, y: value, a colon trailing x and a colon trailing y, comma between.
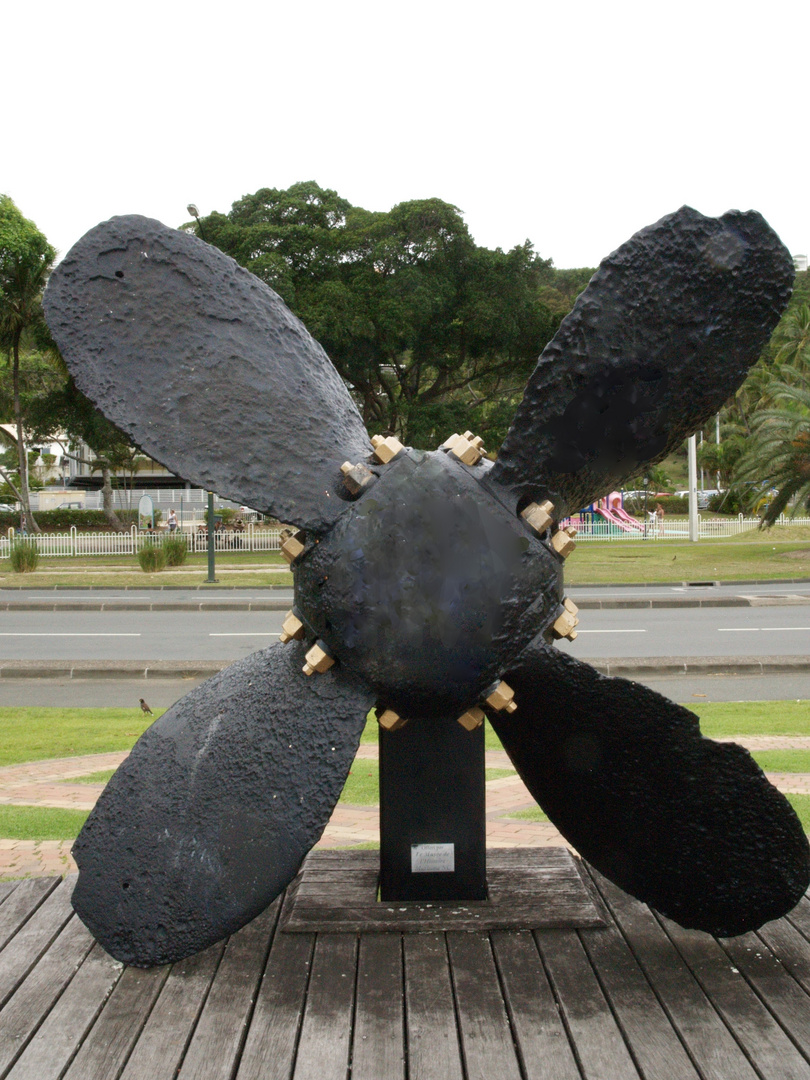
x: 74, y: 543
x: 670, y: 528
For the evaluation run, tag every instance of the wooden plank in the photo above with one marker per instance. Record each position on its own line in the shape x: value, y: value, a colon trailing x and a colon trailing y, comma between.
x: 163, y: 1041
x: 770, y: 976
x: 378, y: 1047
x: 218, y: 1038
x: 35, y: 935
x: 109, y: 1042
x: 656, y: 1048
x: 6, y: 888
x: 326, y: 1031
x: 800, y: 917
x: 597, y: 1039
x: 791, y: 947
x: 766, y: 1044
x: 395, y: 916
x: 22, y: 903
x: 486, y: 1037
x: 272, y: 1038
x: 706, y: 1038
x: 431, y: 1035
x: 47, y: 1055
x: 33, y: 999
x: 540, y: 1034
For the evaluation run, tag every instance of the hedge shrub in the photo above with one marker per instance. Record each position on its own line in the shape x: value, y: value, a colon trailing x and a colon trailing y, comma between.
x: 57, y: 521
x: 23, y: 556
x: 152, y: 558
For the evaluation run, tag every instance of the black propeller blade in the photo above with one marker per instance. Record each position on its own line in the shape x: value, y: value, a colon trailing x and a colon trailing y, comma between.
x: 205, y: 368
x: 209, y: 817
x: 664, y: 333
x: 685, y: 824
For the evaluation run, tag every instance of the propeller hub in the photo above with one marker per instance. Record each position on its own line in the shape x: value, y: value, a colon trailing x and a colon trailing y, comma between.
x: 427, y: 587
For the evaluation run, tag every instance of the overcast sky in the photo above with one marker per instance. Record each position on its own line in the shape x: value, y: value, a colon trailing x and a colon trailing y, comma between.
x: 570, y: 124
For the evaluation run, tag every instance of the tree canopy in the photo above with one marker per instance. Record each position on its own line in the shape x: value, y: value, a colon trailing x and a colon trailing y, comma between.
x: 432, y: 332
x: 26, y: 259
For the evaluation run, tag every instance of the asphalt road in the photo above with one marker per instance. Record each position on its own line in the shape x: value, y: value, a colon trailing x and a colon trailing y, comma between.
x: 228, y: 635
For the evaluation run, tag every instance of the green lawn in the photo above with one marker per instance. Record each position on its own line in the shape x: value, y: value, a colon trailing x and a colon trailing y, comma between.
x: 722, y: 718
x: 363, y: 783
x: 93, y: 777
x: 783, y: 552
x: 246, y: 570
x: 800, y: 803
x: 797, y: 761
x: 40, y: 823
x: 30, y: 734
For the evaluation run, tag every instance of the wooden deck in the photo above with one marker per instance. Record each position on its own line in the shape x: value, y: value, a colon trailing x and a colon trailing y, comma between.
x: 634, y: 997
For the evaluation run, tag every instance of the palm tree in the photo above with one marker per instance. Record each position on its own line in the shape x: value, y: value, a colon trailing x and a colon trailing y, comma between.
x: 778, y: 454
x: 793, y: 338
x: 26, y: 259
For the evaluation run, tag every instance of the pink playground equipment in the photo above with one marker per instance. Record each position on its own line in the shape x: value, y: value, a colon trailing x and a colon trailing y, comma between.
x: 612, y: 510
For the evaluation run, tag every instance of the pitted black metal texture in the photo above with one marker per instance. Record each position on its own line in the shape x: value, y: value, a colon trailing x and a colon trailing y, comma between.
x: 221, y: 798
x: 664, y: 333
x: 205, y: 368
x: 427, y: 586
x: 690, y: 826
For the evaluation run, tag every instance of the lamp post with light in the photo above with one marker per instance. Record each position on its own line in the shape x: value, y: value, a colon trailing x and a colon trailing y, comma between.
x: 211, y: 579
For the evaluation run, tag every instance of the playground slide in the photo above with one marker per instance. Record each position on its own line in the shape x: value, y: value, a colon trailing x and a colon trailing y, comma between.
x: 609, y: 516
x: 621, y: 513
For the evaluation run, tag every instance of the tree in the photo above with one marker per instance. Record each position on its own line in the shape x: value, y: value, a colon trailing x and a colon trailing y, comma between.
x: 66, y: 415
x: 26, y: 259
x: 778, y: 454
x: 431, y: 332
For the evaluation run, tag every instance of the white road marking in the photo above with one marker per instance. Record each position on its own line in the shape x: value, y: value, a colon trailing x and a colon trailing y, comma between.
x: 250, y: 633
x: 10, y: 634
x: 756, y: 629
x: 611, y: 632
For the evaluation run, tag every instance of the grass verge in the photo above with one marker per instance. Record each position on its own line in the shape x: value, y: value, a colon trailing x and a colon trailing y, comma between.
x: 40, y: 823
x: 784, y: 552
x: 362, y: 786
x: 33, y: 734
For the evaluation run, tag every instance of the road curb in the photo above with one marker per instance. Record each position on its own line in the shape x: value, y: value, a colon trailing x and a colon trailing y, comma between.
x: 656, y: 666
x: 584, y: 603
x: 627, y: 667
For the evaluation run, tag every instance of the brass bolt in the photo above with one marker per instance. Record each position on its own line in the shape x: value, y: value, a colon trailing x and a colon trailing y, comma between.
x: 465, y: 450
x: 292, y: 629
x: 292, y: 548
x: 386, y: 449
x: 502, y: 698
x: 563, y: 542
x: 390, y: 720
x: 564, y: 626
x: 317, y: 659
x: 538, y: 515
x: 356, y: 477
x: 472, y: 718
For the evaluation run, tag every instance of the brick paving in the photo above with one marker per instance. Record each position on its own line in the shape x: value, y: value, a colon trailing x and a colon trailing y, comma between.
x: 47, y: 783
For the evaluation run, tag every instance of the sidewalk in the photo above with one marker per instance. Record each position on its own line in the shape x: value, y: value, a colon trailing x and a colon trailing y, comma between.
x: 47, y: 783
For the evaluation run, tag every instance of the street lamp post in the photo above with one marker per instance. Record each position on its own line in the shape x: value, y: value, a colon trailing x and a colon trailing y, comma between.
x: 211, y: 579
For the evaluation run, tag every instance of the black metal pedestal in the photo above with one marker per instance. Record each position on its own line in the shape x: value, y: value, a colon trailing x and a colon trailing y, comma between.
x: 432, y: 812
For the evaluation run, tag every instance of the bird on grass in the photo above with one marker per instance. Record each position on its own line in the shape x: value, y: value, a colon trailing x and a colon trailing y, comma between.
x: 145, y: 708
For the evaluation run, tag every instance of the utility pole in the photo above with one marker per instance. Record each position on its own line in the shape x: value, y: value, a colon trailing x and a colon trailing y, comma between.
x: 693, y: 513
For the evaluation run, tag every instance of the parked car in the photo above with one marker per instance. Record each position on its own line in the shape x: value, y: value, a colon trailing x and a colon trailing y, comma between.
x: 70, y: 506
x: 7, y: 508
